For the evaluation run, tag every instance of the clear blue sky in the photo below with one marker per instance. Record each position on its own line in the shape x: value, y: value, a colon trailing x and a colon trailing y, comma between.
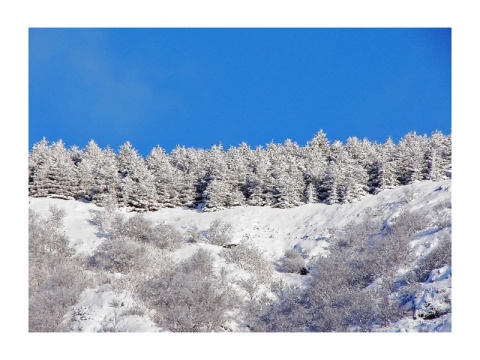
x: 198, y: 87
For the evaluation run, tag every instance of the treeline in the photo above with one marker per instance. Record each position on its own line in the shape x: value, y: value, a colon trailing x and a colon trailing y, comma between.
x: 278, y: 175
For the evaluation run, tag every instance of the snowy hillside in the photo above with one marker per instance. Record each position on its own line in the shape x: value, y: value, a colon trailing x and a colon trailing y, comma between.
x: 112, y: 298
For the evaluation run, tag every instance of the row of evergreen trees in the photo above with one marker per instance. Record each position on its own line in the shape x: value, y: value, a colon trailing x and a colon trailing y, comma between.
x: 278, y: 175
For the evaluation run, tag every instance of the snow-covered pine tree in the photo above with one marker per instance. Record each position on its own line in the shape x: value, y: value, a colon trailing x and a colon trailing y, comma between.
x: 238, y: 162
x: 76, y: 154
x: 382, y: 167
x: 438, y: 157
x: 87, y: 167
x: 221, y: 187
x: 259, y: 182
x: 189, y: 163
x: 356, y: 177
x: 98, y: 174
x: 410, y: 158
x: 334, y: 175
x: 137, y: 187
x: 315, y: 154
x: 319, y: 144
x: 166, y: 177
x: 57, y: 176
x: 36, y: 158
x: 288, y: 167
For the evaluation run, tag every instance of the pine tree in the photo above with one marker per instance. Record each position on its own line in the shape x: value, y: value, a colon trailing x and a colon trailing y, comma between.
x: 315, y: 155
x: 381, y: 170
x: 190, y: 166
x: 345, y: 179
x: 288, y: 167
x: 410, y: 158
x: 220, y: 184
x: 57, y: 175
x: 98, y: 174
x: 437, y: 157
x: 239, y: 166
x: 166, y: 178
x: 356, y: 162
x: 259, y: 182
x: 36, y: 158
x: 137, y: 187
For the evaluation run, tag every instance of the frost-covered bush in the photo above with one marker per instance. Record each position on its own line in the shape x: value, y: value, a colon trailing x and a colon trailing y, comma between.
x: 46, y: 247
x: 117, y: 255
x: 408, y: 223
x: 220, y: 233
x: 53, y: 298
x: 166, y: 237
x: 112, y: 324
x: 250, y: 258
x: 56, y: 277
x: 443, y: 220
x: 439, y: 256
x: 292, y: 262
x: 138, y: 228
x: 190, y: 296
x: 408, y: 193
x: 110, y: 223
x: 194, y: 235
x: 347, y: 290
x: 286, y: 313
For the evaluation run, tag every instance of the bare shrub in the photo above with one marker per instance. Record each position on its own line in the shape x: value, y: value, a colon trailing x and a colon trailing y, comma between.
x: 190, y: 297
x: 51, y: 301
x: 56, y: 278
x: 445, y: 204
x: 408, y: 193
x: 136, y: 309
x: 250, y: 258
x: 110, y: 223
x: 56, y: 215
x: 408, y: 223
x: 220, y: 233
x: 112, y: 323
x: 349, y: 289
x: 439, y: 256
x: 292, y: 262
x: 443, y: 220
x: 138, y: 228
x: 194, y: 235
x: 117, y: 255
x: 166, y: 237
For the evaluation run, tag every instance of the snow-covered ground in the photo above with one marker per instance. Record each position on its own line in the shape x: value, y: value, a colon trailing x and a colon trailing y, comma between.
x: 273, y: 230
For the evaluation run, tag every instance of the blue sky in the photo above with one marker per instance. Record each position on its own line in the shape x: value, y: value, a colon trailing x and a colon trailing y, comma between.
x: 198, y: 87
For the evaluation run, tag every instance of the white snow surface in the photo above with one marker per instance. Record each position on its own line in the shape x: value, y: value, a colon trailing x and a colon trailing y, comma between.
x: 273, y: 230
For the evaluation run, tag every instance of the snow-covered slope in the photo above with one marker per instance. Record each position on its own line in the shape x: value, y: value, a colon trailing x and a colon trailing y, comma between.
x: 305, y: 228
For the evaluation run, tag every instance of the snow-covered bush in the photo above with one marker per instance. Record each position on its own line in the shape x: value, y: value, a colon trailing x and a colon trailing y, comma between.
x: 117, y: 255
x: 286, y: 314
x: 292, y: 262
x: 194, y: 235
x: 138, y: 228
x: 250, y: 258
x: 111, y: 323
x: 166, y: 237
x: 439, y: 256
x: 347, y: 290
x: 46, y: 245
x: 52, y: 299
x: 56, y: 277
x: 190, y: 296
x: 408, y: 223
x: 109, y: 222
x: 220, y: 233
